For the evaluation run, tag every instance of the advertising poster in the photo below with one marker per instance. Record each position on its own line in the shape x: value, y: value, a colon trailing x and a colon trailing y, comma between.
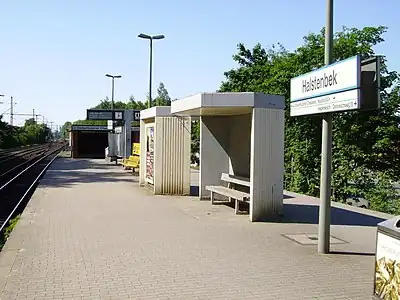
x: 387, y: 268
x: 149, y: 154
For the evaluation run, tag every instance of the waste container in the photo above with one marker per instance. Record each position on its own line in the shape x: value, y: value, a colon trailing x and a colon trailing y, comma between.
x: 387, y: 260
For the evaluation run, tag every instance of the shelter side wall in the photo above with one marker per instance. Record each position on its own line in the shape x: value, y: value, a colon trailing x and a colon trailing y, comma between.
x: 70, y: 139
x: 239, y: 145
x: 142, y: 163
x: 127, y: 141
x: 113, y: 144
x: 214, y: 147
x: 173, y: 156
x: 267, y: 164
x: 158, y: 163
x: 75, y: 145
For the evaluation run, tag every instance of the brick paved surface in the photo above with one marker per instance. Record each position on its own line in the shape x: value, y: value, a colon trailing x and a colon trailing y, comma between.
x: 90, y: 232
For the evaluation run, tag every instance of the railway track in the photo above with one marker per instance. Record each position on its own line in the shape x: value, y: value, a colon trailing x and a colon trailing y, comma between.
x: 17, y: 159
x: 19, y: 177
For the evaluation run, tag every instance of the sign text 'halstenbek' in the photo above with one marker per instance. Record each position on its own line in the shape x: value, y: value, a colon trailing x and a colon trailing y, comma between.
x: 330, y: 89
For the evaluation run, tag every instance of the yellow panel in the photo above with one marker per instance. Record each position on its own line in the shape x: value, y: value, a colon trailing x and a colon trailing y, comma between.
x: 136, y: 149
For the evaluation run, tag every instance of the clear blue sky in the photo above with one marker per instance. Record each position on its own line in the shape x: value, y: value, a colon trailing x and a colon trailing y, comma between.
x: 54, y: 53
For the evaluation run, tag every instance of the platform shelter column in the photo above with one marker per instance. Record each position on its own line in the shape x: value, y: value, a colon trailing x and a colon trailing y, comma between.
x: 166, y: 154
x: 266, y: 163
x: 143, y: 147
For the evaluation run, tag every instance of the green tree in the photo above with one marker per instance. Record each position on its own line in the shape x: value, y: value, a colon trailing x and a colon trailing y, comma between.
x: 163, y: 98
x: 64, y: 134
x: 366, y: 144
x: 195, y: 142
x: 33, y: 133
x: 9, y: 135
x: 133, y: 104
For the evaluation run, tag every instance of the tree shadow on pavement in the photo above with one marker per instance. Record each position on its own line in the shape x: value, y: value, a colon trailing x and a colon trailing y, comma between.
x: 352, y: 253
x: 68, y: 172
x: 309, y: 214
x: 81, y: 163
x: 305, y: 213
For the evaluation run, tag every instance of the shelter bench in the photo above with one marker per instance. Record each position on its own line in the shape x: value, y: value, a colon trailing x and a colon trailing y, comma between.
x: 229, y: 191
x: 131, y: 163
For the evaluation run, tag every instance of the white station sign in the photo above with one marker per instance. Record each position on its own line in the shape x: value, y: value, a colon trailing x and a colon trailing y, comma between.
x: 110, y: 124
x: 329, y: 89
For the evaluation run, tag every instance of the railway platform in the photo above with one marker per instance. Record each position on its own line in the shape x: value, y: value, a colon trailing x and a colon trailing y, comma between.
x: 90, y: 232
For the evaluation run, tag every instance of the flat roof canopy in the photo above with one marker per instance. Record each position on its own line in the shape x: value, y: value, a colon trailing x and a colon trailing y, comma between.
x: 220, y: 104
x: 155, y: 111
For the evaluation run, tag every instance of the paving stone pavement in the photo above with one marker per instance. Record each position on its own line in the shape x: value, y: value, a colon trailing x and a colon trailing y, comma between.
x: 90, y: 232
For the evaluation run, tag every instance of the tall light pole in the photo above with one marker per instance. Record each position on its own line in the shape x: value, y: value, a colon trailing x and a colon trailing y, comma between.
x: 1, y: 102
x: 112, y: 89
x: 12, y: 103
x: 151, y: 38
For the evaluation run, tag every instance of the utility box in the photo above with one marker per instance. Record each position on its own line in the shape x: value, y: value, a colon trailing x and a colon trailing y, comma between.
x: 165, y: 142
x: 387, y: 260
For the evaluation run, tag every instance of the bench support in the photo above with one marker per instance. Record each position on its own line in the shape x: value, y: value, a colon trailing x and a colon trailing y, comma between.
x: 236, y: 206
x: 231, y: 186
x: 232, y: 194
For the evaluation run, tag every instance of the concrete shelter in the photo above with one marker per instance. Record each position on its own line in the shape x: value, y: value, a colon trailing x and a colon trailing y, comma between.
x: 164, y: 151
x: 242, y: 143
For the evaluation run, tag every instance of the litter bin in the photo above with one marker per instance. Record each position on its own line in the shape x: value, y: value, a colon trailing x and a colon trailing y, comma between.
x: 387, y: 260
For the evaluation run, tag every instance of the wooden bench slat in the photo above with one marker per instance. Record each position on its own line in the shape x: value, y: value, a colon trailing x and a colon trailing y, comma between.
x: 229, y: 192
x: 235, y: 179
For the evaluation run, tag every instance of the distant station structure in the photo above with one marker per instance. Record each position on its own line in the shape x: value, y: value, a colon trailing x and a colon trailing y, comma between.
x: 91, y: 141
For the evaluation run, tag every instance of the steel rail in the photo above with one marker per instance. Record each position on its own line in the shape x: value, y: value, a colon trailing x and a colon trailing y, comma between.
x: 56, y: 151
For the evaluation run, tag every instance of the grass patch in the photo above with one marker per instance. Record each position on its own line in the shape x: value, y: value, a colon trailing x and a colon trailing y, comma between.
x: 7, y: 231
x: 65, y: 154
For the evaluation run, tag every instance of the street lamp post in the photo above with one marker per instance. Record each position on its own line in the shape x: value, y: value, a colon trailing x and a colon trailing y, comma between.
x: 112, y: 90
x: 151, y: 38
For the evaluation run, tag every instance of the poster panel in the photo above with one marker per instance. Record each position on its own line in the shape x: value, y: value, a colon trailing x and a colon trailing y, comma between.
x: 149, y: 154
x: 387, y: 268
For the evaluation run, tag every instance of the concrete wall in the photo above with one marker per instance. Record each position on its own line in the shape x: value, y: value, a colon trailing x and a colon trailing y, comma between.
x: 74, y: 144
x: 239, y: 145
x: 70, y: 138
x: 127, y: 134
x: 214, y: 148
x: 172, y: 156
x: 266, y: 164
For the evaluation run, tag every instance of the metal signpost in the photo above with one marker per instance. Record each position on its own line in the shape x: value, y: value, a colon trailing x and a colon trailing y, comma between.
x: 347, y: 85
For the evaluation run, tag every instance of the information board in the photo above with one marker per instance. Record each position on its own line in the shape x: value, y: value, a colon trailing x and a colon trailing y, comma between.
x: 96, y: 114
x: 89, y: 128
x: 136, y: 115
x: 96, y: 128
x: 107, y: 114
x: 330, y: 89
